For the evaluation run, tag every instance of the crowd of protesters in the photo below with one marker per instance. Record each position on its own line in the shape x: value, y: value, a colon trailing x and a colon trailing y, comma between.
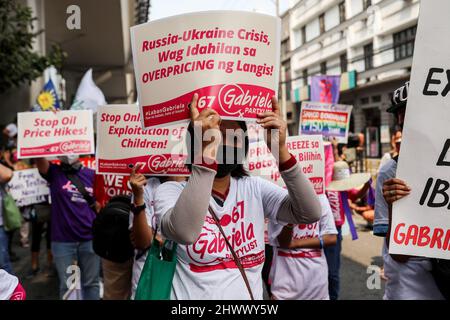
x: 233, y: 236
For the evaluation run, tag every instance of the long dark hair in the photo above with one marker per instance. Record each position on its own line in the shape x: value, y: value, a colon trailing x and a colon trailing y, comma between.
x: 239, y: 172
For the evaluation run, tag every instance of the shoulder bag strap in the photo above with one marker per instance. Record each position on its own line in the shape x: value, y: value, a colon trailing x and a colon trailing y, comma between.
x: 235, y: 257
x: 80, y: 186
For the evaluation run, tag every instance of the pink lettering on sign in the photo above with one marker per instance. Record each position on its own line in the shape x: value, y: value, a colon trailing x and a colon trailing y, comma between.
x: 237, y: 100
x: 161, y: 164
x: 74, y: 146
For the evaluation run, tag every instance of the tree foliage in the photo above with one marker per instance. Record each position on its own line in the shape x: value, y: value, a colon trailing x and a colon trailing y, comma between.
x: 18, y: 62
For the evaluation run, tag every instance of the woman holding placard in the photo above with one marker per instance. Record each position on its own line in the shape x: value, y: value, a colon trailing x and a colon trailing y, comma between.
x: 217, y: 217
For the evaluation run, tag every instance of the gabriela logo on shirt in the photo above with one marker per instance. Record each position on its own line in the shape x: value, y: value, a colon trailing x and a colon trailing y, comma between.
x: 210, y: 251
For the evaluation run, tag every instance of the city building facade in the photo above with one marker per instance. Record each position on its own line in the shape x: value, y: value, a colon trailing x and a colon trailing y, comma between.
x: 370, y: 43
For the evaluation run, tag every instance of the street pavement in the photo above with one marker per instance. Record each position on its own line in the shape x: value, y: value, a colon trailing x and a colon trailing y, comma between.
x: 43, y: 286
x: 356, y: 257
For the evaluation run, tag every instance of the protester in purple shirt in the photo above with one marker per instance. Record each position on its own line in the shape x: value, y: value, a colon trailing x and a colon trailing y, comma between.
x: 5, y: 263
x: 71, y: 223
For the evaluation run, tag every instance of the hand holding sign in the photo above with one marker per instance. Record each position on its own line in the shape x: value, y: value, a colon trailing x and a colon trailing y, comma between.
x: 206, y: 128
x: 274, y: 124
x: 137, y: 182
x: 233, y: 67
x: 394, y: 190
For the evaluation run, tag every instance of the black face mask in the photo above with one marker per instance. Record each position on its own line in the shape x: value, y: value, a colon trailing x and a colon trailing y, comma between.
x: 225, y: 169
x: 229, y: 159
x: 71, y: 168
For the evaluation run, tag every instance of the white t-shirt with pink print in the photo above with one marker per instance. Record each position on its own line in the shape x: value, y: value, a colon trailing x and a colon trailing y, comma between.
x: 301, y: 274
x: 206, y: 269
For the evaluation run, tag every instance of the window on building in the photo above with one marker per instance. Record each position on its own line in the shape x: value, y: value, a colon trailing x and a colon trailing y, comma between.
x: 391, y: 95
x: 303, y: 32
x: 376, y: 99
x: 322, y: 23
x: 305, y: 77
x: 344, y: 62
x: 323, y: 67
x: 342, y: 17
x: 367, y: 4
x: 365, y: 100
x: 368, y: 56
x: 284, y: 48
x: 297, y: 38
x: 404, y: 43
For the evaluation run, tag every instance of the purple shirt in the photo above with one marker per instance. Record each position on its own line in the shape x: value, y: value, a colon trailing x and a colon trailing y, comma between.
x: 71, y: 216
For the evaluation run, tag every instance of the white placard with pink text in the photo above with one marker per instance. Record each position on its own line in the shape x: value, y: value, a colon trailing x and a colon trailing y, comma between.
x: 230, y: 58
x: 308, y: 151
x: 49, y: 134
x: 421, y: 221
x: 122, y: 143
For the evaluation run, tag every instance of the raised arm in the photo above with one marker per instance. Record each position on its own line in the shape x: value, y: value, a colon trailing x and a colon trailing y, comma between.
x: 142, y: 234
x: 184, y: 221
x: 301, y: 206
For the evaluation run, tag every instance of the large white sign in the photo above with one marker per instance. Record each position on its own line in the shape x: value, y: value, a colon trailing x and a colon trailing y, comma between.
x: 230, y: 58
x: 122, y: 143
x: 307, y: 150
x: 42, y: 134
x: 28, y: 187
x: 421, y: 221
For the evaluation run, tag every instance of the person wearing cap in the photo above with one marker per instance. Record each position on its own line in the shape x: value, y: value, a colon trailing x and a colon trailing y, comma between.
x: 339, y: 191
x: 408, y: 278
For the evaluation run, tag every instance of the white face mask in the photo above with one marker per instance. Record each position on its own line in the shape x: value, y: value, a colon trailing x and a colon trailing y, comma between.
x: 69, y: 159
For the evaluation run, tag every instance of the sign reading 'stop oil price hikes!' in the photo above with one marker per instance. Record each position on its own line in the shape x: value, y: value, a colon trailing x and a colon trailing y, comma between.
x: 329, y: 120
x: 230, y: 58
x: 421, y: 220
x: 47, y: 134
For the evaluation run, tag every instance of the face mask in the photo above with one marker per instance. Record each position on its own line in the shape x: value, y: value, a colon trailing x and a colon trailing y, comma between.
x: 70, y: 159
x: 228, y: 158
x: 225, y: 169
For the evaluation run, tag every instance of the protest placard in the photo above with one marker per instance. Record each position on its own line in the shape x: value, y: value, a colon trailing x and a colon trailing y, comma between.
x: 308, y: 150
x: 42, y: 134
x: 108, y: 186
x: 230, y: 58
x: 420, y: 221
x: 122, y: 143
x: 329, y: 120
x: 28, y: 187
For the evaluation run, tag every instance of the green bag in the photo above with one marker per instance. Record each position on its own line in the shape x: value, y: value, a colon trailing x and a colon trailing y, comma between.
x: 156, y: 278
x: 12, y: 218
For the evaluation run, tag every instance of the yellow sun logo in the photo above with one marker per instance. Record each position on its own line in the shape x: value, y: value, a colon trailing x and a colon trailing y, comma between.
x: 46, y: 100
